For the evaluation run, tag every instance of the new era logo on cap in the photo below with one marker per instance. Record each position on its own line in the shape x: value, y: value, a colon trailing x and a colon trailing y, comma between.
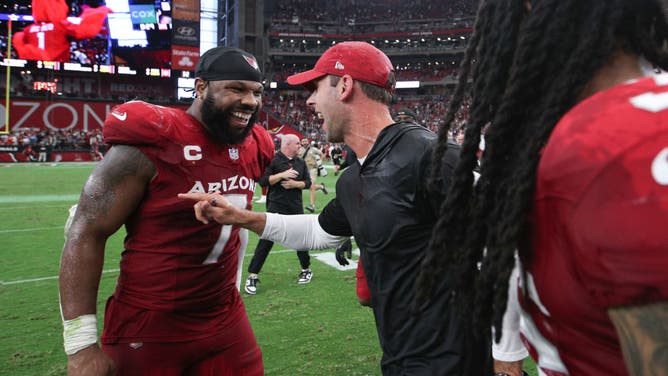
x: 360, y: 60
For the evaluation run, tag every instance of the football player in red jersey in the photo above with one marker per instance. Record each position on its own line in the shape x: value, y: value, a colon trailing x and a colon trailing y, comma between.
x: 574, y: 176
x: 176, y: 309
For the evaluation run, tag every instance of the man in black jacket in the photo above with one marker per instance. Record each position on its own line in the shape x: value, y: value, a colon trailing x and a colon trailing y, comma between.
x: 383, y: 200
x: 286, y: 176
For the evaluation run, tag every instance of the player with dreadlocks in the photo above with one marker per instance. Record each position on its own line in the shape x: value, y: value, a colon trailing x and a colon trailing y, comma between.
x: 574, y: 177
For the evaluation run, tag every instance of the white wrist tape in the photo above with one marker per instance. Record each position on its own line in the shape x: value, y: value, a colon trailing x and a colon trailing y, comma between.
x: 79, y: 333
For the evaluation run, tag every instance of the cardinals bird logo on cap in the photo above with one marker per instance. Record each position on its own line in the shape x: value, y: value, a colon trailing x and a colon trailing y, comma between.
x: 252, y: 62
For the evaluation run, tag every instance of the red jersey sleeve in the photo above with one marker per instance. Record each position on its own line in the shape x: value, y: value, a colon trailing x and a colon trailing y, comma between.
x: 622, y: 219
x: 137, y: 123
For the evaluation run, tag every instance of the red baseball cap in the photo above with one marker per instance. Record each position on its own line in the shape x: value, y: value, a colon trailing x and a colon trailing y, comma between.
x: 360, y: 60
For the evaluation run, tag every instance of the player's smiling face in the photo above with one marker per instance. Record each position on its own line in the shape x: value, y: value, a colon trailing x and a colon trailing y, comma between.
x: 229, y: 109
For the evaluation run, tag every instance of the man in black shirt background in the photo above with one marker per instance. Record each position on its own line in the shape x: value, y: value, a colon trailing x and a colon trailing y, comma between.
x: 286, y: 176
x: 336, y: 153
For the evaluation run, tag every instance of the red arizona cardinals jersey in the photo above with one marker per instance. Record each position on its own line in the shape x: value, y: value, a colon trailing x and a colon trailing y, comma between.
x: 172, y: 262
x: 599, y: 236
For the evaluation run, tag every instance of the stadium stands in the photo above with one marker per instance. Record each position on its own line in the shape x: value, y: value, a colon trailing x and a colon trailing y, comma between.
x: 424, y: 39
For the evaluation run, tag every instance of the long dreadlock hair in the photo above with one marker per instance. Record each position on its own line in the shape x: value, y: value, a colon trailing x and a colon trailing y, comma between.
x: 527, y: 69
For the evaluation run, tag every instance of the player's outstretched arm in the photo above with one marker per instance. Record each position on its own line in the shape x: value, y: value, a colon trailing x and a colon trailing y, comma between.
x: 215, y: 207
x: 643, y: 335
x: 297, y: 231
x: 112, y: 192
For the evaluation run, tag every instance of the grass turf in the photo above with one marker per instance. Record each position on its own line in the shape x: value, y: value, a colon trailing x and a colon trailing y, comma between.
x: 314, y: 329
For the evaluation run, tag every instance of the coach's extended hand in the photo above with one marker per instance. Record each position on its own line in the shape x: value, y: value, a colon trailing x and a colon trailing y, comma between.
x: 344, y: 252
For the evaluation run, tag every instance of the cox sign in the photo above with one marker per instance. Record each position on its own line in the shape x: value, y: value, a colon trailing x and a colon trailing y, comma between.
x: 143, y: 14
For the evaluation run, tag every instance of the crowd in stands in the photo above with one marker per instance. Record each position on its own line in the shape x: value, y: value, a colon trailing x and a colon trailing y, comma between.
x: 346, y: 17
x: 89, y: 51
x: 31, y: 141
x: 430, y: 110
x: 291, y: 109
x: 354, y: 16
x: 435, y: 69
x: 427, y: 71
x: 390, y: 45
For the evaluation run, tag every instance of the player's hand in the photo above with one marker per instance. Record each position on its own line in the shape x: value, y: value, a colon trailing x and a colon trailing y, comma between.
x: 509, y: 368
x: 344, y: 252
x: 212, y: 207
x: 90, y: 361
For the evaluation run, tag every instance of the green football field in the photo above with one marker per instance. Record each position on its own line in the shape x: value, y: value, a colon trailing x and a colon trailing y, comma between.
x: 314, y: 329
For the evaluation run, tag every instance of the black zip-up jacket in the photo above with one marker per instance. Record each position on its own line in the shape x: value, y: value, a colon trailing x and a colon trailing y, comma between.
x: 384, y: 203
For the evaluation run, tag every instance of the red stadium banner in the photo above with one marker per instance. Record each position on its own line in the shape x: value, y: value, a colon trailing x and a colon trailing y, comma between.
x: 284, y: 129
x: 184, y: 57
x: 58, y: 115
x: 185, y: 34
x: 275, y: 126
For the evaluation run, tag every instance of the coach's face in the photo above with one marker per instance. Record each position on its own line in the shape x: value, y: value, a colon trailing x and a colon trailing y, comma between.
x: 229, y: 109
x: 325, y: 101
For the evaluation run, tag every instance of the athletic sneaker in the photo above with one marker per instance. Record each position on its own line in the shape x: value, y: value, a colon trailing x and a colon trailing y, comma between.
x: 251, y: 286
x: 305, y: 276
x: 311, y: 208
x: 323, y: 189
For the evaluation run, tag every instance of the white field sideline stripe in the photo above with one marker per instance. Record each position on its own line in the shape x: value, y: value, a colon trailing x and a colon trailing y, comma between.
x: 66, y: 206
x: 38, y: 198
x: 3, y: 283
x: 32, y: 229
x: 49, y: 164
